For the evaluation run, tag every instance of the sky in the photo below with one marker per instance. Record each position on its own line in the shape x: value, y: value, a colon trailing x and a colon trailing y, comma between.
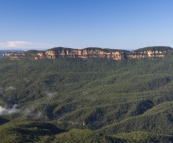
x: 116, y: 24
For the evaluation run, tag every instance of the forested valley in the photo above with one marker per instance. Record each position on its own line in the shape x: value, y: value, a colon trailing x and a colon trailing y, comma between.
x: 86, y: 100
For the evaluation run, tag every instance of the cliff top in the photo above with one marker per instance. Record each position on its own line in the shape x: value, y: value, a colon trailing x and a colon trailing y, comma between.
x: 90, y: 48
x: 60, y: 48
x: 106, y: 49
x: 31, y: 52
x: 154, y: 48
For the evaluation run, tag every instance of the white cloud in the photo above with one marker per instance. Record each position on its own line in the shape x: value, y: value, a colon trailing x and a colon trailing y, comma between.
x: 24, y: 45
x: 16, y: 43
x: 4, y: 111
x: 28, y: 112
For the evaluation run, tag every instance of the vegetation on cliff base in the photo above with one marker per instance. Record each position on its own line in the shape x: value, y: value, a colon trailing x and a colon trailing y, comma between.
x: 75, y: 100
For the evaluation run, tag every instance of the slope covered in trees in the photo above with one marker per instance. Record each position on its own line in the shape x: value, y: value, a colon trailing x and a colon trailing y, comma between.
x: 93, y: 100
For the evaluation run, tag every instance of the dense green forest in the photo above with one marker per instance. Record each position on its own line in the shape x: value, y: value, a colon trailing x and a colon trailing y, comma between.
x: 86, y: 100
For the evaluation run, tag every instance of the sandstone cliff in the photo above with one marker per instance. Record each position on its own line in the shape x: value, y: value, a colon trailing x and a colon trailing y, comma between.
x: 148, y: 52
x: 83, y: 53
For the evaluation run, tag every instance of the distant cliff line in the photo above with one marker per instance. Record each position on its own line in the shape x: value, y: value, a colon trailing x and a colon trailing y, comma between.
x: 115, y: 54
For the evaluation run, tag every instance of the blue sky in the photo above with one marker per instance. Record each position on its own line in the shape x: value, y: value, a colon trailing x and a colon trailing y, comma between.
x: 117, y: 24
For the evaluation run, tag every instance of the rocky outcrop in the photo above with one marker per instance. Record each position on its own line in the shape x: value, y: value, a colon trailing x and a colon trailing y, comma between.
x: 148, y: 52
x: 81, y: 53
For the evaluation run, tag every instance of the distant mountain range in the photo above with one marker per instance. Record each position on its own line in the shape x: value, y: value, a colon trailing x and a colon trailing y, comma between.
x: 4, y: 51
x: 92, y: 52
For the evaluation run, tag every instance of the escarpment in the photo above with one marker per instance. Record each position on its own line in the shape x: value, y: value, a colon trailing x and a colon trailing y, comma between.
x: 147, y: 52
x: 83, y: 53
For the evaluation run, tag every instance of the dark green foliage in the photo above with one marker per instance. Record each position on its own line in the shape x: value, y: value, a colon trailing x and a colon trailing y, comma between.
x: 31, y: 52
x: 27, y: 131
x: 2, y: 121
x: 112, y: 100
x: 144, y: 137
x: 143, y: 106
x: 85, y: 136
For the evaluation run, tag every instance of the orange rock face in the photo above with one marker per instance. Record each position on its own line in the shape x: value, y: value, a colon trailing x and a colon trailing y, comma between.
x: 84, y: 53
x: 88, y: 53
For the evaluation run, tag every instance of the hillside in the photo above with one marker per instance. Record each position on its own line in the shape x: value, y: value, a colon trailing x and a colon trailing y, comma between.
x: 93, y: 100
